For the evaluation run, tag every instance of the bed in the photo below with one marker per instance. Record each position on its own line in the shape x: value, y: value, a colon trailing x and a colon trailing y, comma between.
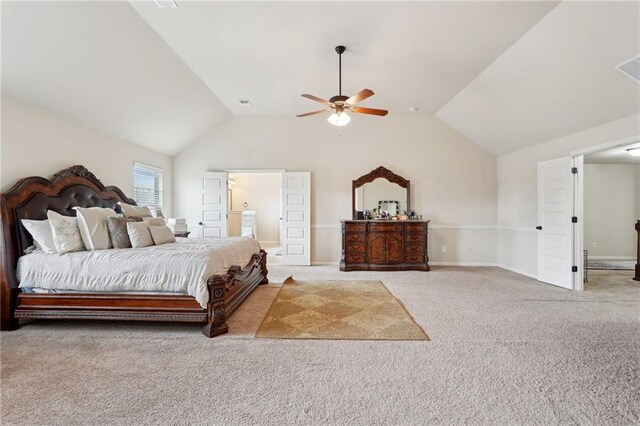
x: 193, y: 280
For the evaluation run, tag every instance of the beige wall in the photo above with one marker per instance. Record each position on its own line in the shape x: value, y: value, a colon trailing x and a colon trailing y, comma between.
x: 37, y: 142
x: 261, y: 192
x: 453, y: 181
x: 610, y: 210
x: 517, y: 189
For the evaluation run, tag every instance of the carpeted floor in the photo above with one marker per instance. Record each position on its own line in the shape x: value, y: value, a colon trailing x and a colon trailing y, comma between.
x: 504, y: 349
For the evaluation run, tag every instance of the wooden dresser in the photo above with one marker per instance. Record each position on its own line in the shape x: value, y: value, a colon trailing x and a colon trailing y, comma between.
x: 375, y: 245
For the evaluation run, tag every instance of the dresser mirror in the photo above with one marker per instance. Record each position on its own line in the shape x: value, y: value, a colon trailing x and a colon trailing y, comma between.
x: 382, y: 190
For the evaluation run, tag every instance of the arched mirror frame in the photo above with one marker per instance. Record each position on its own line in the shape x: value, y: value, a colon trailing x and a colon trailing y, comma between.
x: 380, y: 172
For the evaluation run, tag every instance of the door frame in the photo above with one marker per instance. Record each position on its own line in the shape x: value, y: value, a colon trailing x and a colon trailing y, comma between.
x: 577, y: 160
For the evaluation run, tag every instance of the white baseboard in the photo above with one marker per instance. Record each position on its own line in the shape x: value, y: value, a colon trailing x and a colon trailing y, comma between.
x: 518, y: 271
x: 462, y: 264
x: 612, y: 258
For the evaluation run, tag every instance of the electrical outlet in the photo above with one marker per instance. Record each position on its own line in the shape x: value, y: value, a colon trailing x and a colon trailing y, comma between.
x: 594, y: 244
x: 443, y: 249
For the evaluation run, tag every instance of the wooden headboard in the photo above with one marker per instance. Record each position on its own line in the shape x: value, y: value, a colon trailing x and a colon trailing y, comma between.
x: 31, y: 197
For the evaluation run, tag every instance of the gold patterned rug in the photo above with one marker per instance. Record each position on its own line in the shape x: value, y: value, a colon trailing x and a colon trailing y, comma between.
x: 355, y: 310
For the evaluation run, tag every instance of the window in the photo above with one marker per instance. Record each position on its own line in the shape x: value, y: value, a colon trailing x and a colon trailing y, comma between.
x: 147, y: 185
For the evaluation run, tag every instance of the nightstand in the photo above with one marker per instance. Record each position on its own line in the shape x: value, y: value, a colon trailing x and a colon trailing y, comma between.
x: 182, y: 234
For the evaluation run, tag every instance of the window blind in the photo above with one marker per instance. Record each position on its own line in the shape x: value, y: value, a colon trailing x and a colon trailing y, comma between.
x: 147, y: 185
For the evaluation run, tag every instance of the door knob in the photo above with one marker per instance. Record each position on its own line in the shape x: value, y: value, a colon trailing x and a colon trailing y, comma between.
x: 200, y: 223
x: 539, y: 228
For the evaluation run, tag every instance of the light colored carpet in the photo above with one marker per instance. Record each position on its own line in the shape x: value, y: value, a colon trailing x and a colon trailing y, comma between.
x: 355, y: 310
x: 504, y: 349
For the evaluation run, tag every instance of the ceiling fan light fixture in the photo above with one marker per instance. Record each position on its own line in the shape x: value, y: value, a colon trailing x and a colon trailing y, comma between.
x: 339, y: 119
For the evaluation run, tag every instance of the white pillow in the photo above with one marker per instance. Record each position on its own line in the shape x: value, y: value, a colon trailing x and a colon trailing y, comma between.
x: 156, y: 212
x: 139, y: 234
x: 129, y: 210
x: 66, y: 234
x: 155, y: 221
x: 92, y: 222
x: 40, y: 230
x: 162, y: 235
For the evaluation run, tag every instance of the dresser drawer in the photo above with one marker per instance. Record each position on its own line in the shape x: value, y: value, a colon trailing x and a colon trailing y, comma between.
x: 385, y: 227
x: 418, y: 238
x: 356, y: 238
x: 414, y: 259
x: 415, y: 227
x: 414, y: 248
x: 355, y: 258
x: 355, y: 248
x: 356, y: 227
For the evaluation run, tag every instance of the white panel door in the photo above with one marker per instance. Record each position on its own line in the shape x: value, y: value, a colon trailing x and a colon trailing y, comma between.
x: 296, y: 218
x: 213, y: 205
x: 555, y: 208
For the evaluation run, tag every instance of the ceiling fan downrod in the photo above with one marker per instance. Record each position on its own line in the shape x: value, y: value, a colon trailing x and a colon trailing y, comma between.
x: 340, y: 50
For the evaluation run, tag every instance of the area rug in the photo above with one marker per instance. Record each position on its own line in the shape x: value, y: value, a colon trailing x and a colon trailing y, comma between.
x: 342, y: 310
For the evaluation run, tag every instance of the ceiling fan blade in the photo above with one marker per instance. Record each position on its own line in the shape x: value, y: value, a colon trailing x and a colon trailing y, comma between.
x: 312, y: 113
x: 315, y: 98
x: 371, y: 111
x: 360, y: 96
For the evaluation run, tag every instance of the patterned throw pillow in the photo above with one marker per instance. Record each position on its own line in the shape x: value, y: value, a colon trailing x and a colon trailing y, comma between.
x: 66, y: 234
x: 118, y: 231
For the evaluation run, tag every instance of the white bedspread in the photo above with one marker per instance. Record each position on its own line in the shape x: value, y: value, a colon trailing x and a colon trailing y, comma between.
x: 180, y: 267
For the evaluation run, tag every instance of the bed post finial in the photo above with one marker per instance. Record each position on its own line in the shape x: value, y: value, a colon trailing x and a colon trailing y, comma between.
x: 216, y: 314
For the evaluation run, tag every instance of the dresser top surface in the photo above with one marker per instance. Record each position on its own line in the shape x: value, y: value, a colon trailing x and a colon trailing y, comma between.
x: 382, y: 221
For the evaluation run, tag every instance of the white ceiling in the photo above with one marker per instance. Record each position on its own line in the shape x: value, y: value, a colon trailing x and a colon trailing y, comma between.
x: 101, y: 64
x: 558, y: 79
x: 411, y: 53
x: 617, y: 155
x: 506, y: 74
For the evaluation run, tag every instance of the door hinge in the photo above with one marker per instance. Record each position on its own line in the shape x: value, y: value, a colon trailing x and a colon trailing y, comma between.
x: 574, y: 219
x: 574, y: 170
x: 574, y: 269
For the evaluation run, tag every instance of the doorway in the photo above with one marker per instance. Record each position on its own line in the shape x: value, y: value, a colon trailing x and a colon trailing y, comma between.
x: 611, y: 207
x: 566, y: 217
x: 255, y: 209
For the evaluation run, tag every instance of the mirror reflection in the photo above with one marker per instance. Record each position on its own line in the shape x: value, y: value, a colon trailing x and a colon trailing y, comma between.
x: 381, y: 195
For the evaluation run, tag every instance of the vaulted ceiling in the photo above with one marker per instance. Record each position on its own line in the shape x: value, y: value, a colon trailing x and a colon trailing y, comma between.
x: 505, y: 74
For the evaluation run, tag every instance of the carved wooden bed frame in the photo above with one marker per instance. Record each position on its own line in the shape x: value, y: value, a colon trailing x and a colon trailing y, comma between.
x: 31, y: 197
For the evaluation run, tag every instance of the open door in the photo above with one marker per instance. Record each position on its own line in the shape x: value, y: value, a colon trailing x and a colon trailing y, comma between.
x: 555, y: 211
x: 213, y: 205
x: 296, y: 220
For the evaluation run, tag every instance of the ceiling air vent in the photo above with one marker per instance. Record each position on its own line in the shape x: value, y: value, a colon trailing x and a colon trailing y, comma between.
x: 631, y: 68
x: 245, y: 102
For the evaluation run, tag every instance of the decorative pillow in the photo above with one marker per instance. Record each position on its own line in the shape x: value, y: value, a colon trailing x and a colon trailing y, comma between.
x: 92, y: 222
x: 40, y: 230
x: 66, y: 234
x: 139, y: 234
x: 162, y: 235
x: 155, y: 221
x: 156, y: 211
x: 129, y: 210
x: 118, y: 231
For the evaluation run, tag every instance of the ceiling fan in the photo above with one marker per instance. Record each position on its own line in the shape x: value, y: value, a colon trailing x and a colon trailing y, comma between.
x: 340, y: 104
